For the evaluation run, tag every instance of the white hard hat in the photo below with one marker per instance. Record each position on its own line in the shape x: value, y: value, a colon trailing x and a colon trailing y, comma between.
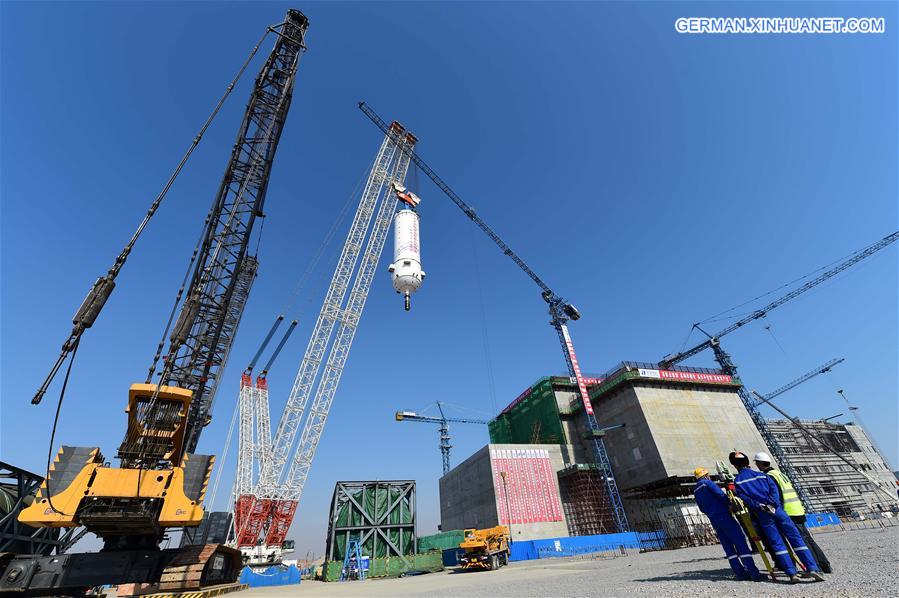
x: 763, y: 457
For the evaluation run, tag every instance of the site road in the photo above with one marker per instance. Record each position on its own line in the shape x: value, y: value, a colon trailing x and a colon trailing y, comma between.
x: 865, y: 562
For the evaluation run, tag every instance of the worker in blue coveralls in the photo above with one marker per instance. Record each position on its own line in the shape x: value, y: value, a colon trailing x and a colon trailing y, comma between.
x: 762, y: 497
x: 712, y: 501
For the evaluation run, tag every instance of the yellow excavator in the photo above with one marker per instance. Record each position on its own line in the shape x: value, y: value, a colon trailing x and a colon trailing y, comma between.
x: 485, y: 548
x: 160, y: 483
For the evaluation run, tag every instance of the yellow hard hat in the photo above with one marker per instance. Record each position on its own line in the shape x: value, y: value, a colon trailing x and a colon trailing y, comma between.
x: 700, y: 472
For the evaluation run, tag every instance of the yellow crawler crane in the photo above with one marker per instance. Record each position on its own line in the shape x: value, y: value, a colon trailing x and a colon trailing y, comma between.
x: 485, y: 548
x: 160, y: 481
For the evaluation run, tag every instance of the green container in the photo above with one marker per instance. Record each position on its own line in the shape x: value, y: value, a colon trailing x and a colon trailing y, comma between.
x: 442, y: 541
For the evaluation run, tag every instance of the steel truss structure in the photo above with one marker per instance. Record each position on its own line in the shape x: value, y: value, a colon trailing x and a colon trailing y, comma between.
x: 202, y: 337
x: 20, y: 487
x: 379, y: 514
x: 264, y: 510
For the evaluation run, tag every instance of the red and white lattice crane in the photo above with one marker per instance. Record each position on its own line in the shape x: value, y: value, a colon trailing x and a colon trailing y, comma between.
x: 272, y: 471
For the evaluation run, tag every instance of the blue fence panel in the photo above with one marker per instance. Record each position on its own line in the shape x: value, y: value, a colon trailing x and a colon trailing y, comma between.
x: 273, y: 576
x: 575, y: 545
x: 819, y: 519
x: 522, y: 550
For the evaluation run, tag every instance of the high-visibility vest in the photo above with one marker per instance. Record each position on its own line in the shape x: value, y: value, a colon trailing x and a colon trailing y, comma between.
x: 792, y: 504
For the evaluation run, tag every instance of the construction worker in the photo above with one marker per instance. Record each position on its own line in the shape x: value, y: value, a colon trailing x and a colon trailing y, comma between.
x: 759, y: 492
x: 792, y: 507
x: 712, y: 501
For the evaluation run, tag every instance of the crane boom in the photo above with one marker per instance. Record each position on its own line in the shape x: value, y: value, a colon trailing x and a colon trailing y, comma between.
x: 821, y: 369
x: 283, y: 474
x: 202, y: 338
x: 303, y: 386
x: 560, y: 310
x: 403, y: 416
x: 856, y: 257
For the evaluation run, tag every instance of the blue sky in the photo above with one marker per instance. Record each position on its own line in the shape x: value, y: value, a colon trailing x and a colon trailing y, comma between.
x: 653, y: 178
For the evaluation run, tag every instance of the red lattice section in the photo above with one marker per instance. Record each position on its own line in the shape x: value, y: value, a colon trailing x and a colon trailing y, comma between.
x: 282, y: 512
x: 250, y: 517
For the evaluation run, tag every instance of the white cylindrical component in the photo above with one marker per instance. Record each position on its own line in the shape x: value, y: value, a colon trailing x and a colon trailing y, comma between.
x: 406, y: 267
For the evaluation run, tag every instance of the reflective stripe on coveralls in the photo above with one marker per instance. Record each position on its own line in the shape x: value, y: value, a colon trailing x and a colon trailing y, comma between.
x: 758, y: 490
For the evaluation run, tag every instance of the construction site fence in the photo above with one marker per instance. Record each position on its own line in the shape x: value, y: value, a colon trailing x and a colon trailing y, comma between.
x: 600, y: 544
x: 441, y: 541
x: 273, y: 576
x: 391, y: 566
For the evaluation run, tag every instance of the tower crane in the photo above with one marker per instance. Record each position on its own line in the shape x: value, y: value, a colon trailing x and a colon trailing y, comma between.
x: 560, y: 312
x: 443, y: 421
x: 729, y: 367
x: 293, y: 445
x: 161, y: 482
x: 821, y: 369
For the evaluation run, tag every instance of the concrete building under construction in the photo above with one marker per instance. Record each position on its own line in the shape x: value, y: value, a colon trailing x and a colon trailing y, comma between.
x: 674, y: 420
x: 831, y: 483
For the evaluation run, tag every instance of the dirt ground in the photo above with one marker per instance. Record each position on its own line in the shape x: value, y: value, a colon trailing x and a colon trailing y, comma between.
x: 866, y: 563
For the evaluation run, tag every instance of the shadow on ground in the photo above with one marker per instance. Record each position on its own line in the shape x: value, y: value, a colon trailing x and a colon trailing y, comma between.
x: 704, y: 575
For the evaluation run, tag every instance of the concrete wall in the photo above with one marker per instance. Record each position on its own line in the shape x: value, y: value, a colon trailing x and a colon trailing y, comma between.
x: 468, y: 496
x: 672, y: 429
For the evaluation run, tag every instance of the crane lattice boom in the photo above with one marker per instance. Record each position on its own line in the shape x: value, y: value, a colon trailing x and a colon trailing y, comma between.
x: 821, y: 369
x: 284, y: 471
x: 856, y: 257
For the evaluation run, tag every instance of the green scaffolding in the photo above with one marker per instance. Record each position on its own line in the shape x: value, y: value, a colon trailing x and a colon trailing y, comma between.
x: 533, y: 419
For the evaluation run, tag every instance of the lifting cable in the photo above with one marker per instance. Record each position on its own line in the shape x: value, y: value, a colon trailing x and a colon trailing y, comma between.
x: 329, y: 236
x: 488, y: 361
x: 62, y: 394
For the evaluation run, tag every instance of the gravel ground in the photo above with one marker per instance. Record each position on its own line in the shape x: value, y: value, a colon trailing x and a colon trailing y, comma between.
x: 866, y: 563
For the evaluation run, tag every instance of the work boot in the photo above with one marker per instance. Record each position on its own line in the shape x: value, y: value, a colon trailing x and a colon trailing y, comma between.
x: 794, y: 579
x: 759, y: 577
x: 817, y: 575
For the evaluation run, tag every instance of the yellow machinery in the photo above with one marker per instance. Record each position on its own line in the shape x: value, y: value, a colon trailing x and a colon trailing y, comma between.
x: 81, y: 489
x: 485, y: 548
x: 161, y: 481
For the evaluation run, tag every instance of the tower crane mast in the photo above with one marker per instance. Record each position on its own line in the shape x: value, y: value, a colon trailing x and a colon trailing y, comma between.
x: 560, y: 311
x: 443, y: 421
x: 730, y: 368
